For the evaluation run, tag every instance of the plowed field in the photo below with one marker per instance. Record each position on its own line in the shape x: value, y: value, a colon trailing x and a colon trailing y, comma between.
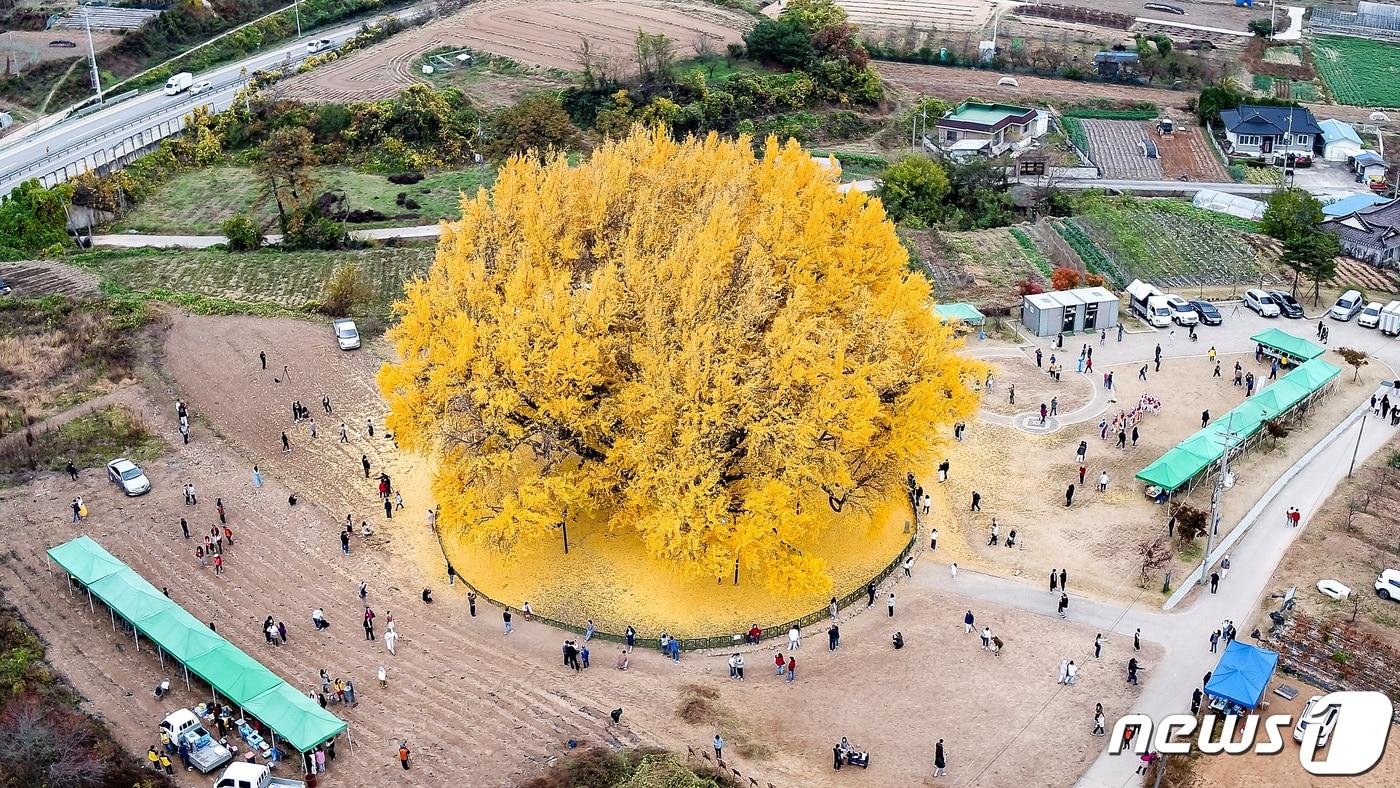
x: 1187, y: 154
x: 543, y: 34
x: 1117, y: 146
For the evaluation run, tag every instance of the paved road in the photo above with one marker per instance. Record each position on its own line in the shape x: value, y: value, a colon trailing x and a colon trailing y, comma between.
x: 70, y: 141
x: 1166, y: 187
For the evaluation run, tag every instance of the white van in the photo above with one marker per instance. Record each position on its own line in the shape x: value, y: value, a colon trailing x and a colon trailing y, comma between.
x: 1346, y: 307
x: 1370, y: 315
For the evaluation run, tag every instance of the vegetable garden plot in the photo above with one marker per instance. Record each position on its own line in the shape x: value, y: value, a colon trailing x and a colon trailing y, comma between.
x: 1172, y: 248
x: 1359, y: 71
x: 1118, y: 148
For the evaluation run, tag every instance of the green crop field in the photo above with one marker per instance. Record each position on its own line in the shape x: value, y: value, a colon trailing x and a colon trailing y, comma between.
x: 198, y: 202
x: 1359, y: 71
x: 1171, y: 243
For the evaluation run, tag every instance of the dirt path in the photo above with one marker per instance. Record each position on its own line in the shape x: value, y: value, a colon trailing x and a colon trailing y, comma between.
x: 127, y: 395
x: 481, y: 708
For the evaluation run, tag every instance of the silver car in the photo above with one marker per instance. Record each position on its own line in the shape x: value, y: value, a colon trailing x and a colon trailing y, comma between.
x: 125, y: 474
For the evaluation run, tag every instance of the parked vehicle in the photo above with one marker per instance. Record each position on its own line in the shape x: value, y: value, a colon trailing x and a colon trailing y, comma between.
x: 1148, y: 303
x: 1288, y: 306
x: 1314, y: 714
x: 253, y: 775
x: 125, y: 474
x: 179, y: 83
x: 1182, y: 313
x: 1388, y: 584
x: 200, y: 87
x: 320, y: 45
x: 1207, y: 312
x: 1259, y: 301
x: 1390, y: 319
x: 63, y: 43
x: 345, y: 333
x: 1346, y: 307
x: 1333, y: 589
x: 5, y: 288
x: 206, y: 752
x: 1370, y: 316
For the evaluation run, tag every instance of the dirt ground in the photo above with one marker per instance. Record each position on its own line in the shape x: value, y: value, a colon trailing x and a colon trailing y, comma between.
x: 478, y: 707
x: 31, y: 47
x: 1022, y: 478
x: 544, y: 33
x: 1283, y: 770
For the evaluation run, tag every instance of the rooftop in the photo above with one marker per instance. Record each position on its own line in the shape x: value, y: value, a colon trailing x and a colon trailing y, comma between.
x: 1255, y: 119
x: 986, y: 114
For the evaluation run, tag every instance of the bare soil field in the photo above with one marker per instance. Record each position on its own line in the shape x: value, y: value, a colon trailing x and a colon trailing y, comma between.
x: 1117, y: 147
x: 543, y: 33
x: 956, y: 84
x: 1186, y: 154
x: 31, y: 47
x: 1206, y: 13
x: 945, y: 15
x: 477, y: 707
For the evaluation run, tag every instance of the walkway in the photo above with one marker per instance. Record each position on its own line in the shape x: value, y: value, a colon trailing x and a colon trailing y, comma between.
x: 139, y: 241
x: 1029, y: 420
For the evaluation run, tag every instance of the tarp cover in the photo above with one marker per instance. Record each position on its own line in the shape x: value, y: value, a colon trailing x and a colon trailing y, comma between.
x: 1193, y: 455
x: 1295, y: 347
x: 967, y: 313
x: 296, y: 718
x: 1243, y: 674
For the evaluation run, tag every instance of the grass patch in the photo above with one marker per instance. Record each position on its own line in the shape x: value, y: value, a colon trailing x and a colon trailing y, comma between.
x: 89, y: 441
x: 600, y: 767
x: 700, y: 705
x: 199, y: 202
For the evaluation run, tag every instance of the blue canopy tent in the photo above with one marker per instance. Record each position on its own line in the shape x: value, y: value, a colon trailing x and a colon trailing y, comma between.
x: 1242, y: 675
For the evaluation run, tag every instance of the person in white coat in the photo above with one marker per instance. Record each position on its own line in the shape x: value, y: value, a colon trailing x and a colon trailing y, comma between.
x: 391, y: 637
x: 794, y: 639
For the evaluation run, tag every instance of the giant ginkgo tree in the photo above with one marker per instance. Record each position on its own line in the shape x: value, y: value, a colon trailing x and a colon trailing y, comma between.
x: 714, y: 351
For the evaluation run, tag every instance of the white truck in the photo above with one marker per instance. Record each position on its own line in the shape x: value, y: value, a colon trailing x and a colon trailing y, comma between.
x: 179, y: 83
x: 1390, y: 319
x: 253, y: 775
x: 206, y: 753
x: 1148, y: 303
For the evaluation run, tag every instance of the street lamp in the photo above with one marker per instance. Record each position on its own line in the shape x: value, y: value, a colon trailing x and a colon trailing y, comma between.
x: 92, y: 55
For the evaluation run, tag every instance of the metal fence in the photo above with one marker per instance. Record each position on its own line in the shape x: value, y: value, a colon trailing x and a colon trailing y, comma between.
x: 725, y: 640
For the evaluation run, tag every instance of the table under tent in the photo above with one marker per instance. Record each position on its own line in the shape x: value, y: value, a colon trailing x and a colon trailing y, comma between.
x: 1241, y: 677
x: 1239, y: 429
x: 257, y: 692
x: 1287, y: 348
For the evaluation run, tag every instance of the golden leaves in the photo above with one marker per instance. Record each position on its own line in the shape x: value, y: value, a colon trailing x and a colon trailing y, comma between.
x: 697, y: 344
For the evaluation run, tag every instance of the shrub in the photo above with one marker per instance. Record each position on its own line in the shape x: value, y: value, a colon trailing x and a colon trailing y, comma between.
x: 346, y: 291
x: 404, y: 178
x: 242, y: 234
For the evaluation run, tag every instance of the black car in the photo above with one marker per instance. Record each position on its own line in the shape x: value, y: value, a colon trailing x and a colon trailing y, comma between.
x: 1209, y: 314
x: 1287, y: 304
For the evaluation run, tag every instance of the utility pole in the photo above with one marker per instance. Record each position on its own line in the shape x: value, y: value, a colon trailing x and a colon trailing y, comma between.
x: 92, y: 55
x: 247, y: 107
x: 1216, y: 502
x: 296, y: 8
x: 1357, y: 450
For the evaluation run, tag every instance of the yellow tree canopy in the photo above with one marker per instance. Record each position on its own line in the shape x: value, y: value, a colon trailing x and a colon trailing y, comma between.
x: 708, y: 349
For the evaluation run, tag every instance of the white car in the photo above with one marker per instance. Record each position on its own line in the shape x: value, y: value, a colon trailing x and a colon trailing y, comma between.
x: 1388, y: 585
x: 1370, y: 316
x: 1312, y: 715
x: 1333, y: 589
x: 1259, y: 301
x: 1182, y: 313
x: 321, y: 45
x: 346, y: 333
x: 125, y: 474
x: 200, y: 87
x: 1346, y: 307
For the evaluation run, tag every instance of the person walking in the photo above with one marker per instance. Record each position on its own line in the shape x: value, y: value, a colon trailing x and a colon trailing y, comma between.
x: 1225, y: 566
x: 1064, y: 672
x: 1214, y: 581
x: 794, y: 638
x: 505, y: 616
x: 369, y: 624
x: 286, y: 444
x: 1132, y: 670
x: 1196, y: 700
x: 1064, y: 580
x: 1098, y: 645
x: 257, y: 477
x: 1214, y: 641
x: 1064, y: 604
x: 218, y: 563
x: 932, y: 539
x: 1071, y: 673
x: 1205, y: 418
x: 986, y: 638
x: 398, y: 500
x: 1054, y: 581
x: 389, y: 508
x: 1137, y: 639
x: 908, y: 566
x: 833, y: 638
x: 364, y: 463
x: 326, y: 404
x: 1069, y: 496
x: 968, y: 621
x: 791, y: 669
x: 1054, y: 406
x: 890, y: 603
x: 1103, y: 480
x: 185, y: 527
x: 870, y: 595
x: 1098, y: 720
x: 404, y: 752
x: 940, y: 760
x: 345, y: 542
x: 391, y: 638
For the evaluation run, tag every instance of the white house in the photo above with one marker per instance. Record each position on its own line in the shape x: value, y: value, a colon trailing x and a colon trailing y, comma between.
x: 1339, y: 140
x: 1269, y: 132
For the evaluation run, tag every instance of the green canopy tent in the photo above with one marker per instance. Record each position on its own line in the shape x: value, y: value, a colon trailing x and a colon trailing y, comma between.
x: 1284, y: 345
x: 227, y: 669
x: 295, y: 717
x: 1187, y: 459
x: 236, y: 675
x: 963, y: 313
